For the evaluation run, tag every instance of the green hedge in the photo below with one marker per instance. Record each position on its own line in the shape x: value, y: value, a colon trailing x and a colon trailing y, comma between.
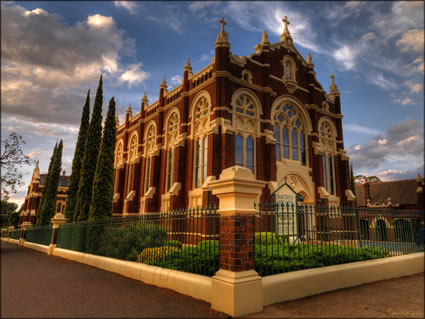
x: 282, y: 257
x: 201, y: 259
x: 127, y: 241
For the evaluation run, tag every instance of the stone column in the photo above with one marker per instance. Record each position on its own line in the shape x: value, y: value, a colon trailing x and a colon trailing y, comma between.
x: 236, y: 287
x: 57, y: 220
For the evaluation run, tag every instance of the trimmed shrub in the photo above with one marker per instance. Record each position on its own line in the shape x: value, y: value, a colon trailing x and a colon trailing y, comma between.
x: 152, y: 254
x: 128, y: 241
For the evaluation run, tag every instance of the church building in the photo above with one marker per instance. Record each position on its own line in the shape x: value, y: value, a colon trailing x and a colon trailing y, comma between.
x: 34, y: 193
x: 265, y: 111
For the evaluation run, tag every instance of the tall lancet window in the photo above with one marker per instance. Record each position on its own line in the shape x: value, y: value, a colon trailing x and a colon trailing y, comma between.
x: 201, y: 127
x: 150, y: 142
x: 289, y: 126
x: 118, y: 162
x: 246, y: 118
x: 328, y: 147
x: 172, y: 134
x: 132, y: 158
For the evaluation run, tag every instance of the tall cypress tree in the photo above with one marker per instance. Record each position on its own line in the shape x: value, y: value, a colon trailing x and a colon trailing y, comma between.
x: 49, y: 205
x: 74, y: 179
x: 93, y: 140
x: 103, y: 184
x: 46, y: 183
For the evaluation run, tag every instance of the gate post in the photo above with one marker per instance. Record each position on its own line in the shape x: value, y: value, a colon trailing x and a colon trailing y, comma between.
x: 25, y: 226
x: 57, y: 220
x: 237, y: 289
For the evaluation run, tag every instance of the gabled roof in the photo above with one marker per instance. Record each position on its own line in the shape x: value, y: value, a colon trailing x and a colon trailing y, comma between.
x: 401, y: 192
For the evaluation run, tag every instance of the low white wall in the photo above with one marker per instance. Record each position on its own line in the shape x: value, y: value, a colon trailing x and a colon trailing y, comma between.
x: 42, y: 248
x: 13, y: 241
x: 302, y: 283
x: 196, y: 286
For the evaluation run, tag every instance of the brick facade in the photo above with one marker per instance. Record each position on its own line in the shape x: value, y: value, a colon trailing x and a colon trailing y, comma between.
x: 267, y: 84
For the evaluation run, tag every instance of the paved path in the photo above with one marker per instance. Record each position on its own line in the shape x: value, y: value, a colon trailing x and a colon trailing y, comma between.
x: 394, y: 298
x: 36, y: 285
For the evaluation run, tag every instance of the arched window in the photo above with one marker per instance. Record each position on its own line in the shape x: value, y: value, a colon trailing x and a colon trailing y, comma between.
x: 201, y: 127
x: 118, y: 154
x: 246, y: 115
x: 290, y: 129
x: 132, y: 157
x: 327, y: 146
x: 150, y: 141
x: 172, y: 134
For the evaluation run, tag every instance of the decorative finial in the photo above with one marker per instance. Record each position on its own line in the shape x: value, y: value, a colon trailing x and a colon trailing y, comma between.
x: 309, y: 59
x: 129, y: 110
x: 286, y: 179
x: 37, y: 161
x: 285, y: 35
x: 163, y: 83
x: 333, y: 89
x: 145, y: 98
x: 187, y: 66
x: 117, y: 121
x: 222, y: 37
x: 63, y: 172
x: 265, y: 39
x: 286, y: 22
x: 223, y: 23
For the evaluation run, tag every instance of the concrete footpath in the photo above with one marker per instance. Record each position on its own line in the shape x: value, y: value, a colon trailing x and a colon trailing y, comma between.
x: 36, y: 285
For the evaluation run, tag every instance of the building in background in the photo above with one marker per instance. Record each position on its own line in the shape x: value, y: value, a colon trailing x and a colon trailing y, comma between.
x: 265, y: 111
x: 33, y: 198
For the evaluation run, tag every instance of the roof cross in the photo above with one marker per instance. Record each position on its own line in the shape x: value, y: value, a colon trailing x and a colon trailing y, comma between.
x: 223, y: 23
x: 285, y: 20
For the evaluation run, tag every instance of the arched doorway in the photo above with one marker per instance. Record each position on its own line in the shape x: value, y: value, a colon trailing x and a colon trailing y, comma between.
x: 381, y: 230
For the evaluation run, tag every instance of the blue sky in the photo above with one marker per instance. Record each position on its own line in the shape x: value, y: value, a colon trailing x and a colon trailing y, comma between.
x: 52, y: 52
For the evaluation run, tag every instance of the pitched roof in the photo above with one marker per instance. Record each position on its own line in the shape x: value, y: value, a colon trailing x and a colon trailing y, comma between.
x: 401, y: 192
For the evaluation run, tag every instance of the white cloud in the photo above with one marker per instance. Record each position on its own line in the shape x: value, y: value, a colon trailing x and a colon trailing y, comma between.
x: 367, y: 37
x: 383, y: 82
x: 418, y: 65
x: 176, y: 80
x: 131, y: 6
x: 401, y: 145
x: 196, y: 6
x: 361, y: 129
x: 204, y: 57
x: 412, y: 40
x: 100, y: 21
x: 346, y: 56
x: 37, y: 11
x: 133, y: 75
x: 414, y: 87
x: 403, y: 101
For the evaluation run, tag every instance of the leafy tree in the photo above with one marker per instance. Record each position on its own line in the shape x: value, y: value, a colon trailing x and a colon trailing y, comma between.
x: 353, y: 183
x: 11, y: 158
x: 93, y: 140
x: 103, y: 185
x: 74, y: 179
x: 48, y: 207
x: 7, y: 209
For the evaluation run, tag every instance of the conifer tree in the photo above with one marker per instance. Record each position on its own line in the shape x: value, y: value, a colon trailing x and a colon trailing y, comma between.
x: 46, y: 182
x: 49, y: 205
x: 103, y: 184
x: 74, y: 179
x: 93, y: 140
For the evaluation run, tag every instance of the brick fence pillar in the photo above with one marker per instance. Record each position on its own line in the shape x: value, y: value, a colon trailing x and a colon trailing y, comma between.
x: 57, y: 220
x: 237, y: 288
x: 25, y: 226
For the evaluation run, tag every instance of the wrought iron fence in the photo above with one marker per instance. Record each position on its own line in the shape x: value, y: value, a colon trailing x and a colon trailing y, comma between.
x: 186, y: 240
x: 291, y: 238
x: 15, y: 234
x: 40, y: 235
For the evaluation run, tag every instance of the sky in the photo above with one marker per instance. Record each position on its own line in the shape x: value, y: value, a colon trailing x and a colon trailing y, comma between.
x: 53, y: 52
